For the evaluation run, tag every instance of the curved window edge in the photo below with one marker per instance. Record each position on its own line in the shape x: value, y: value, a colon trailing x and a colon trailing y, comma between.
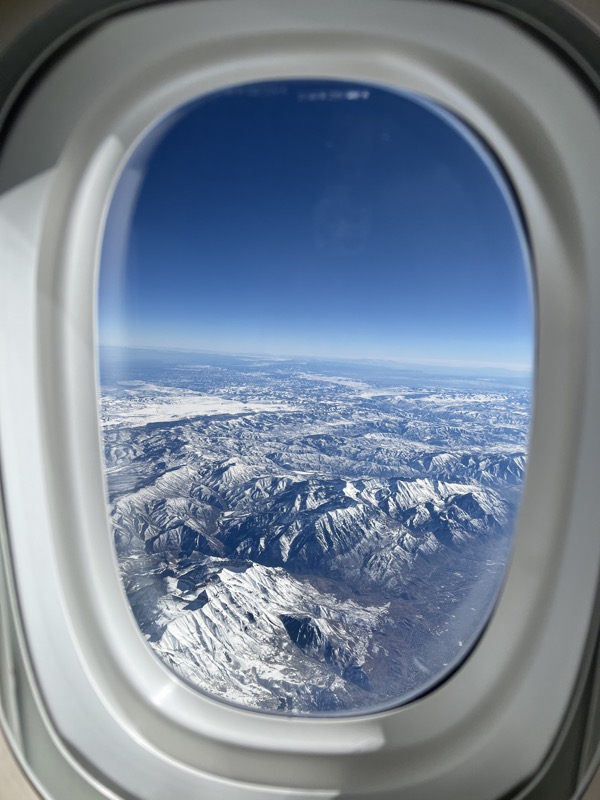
x: 588, y: 455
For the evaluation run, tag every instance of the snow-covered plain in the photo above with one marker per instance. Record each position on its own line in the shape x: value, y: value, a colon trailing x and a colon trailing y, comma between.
x: 141, y: 403
x: 303, y: 540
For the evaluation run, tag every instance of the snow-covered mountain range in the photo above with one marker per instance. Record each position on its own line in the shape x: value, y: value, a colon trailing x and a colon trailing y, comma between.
x: 308, y: 537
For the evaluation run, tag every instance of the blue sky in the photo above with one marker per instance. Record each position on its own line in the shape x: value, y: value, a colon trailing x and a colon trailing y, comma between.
x: 320, y: 219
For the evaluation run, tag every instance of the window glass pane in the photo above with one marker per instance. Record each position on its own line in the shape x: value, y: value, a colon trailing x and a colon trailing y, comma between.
x: 316, y: 349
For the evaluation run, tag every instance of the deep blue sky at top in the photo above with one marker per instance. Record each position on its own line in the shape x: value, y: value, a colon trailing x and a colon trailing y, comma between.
x: 316, y: 218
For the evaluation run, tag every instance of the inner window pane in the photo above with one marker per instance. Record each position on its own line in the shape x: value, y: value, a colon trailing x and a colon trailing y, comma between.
x: 315, y: 350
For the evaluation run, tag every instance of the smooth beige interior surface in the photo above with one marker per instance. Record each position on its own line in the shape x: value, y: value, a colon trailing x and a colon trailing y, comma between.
x: 15, y: 17
x: 593, y: 793
x: 589, y: 9
x: 13, y: 783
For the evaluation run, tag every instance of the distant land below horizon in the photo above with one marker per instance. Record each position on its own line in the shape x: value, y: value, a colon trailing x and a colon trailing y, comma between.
x: 309, y: 536
x: 523, y: 376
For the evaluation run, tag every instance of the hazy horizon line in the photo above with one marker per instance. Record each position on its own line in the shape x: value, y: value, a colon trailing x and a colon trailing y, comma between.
x: 510, y: 368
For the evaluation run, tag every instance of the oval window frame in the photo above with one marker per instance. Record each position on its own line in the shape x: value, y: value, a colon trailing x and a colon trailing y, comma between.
x: 557, y: 195
x: 127, y: 195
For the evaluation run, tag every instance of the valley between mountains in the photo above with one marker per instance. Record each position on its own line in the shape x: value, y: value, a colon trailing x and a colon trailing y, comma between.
x: 309, y: 537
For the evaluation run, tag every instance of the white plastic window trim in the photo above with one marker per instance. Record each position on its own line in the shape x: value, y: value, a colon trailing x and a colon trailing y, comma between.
x: 141, y: 726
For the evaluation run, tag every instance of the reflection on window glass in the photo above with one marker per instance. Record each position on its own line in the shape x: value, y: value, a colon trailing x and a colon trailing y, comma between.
x: 315, y: 349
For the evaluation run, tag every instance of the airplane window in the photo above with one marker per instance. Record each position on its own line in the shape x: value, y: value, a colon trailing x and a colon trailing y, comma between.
x: 316, y: 343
